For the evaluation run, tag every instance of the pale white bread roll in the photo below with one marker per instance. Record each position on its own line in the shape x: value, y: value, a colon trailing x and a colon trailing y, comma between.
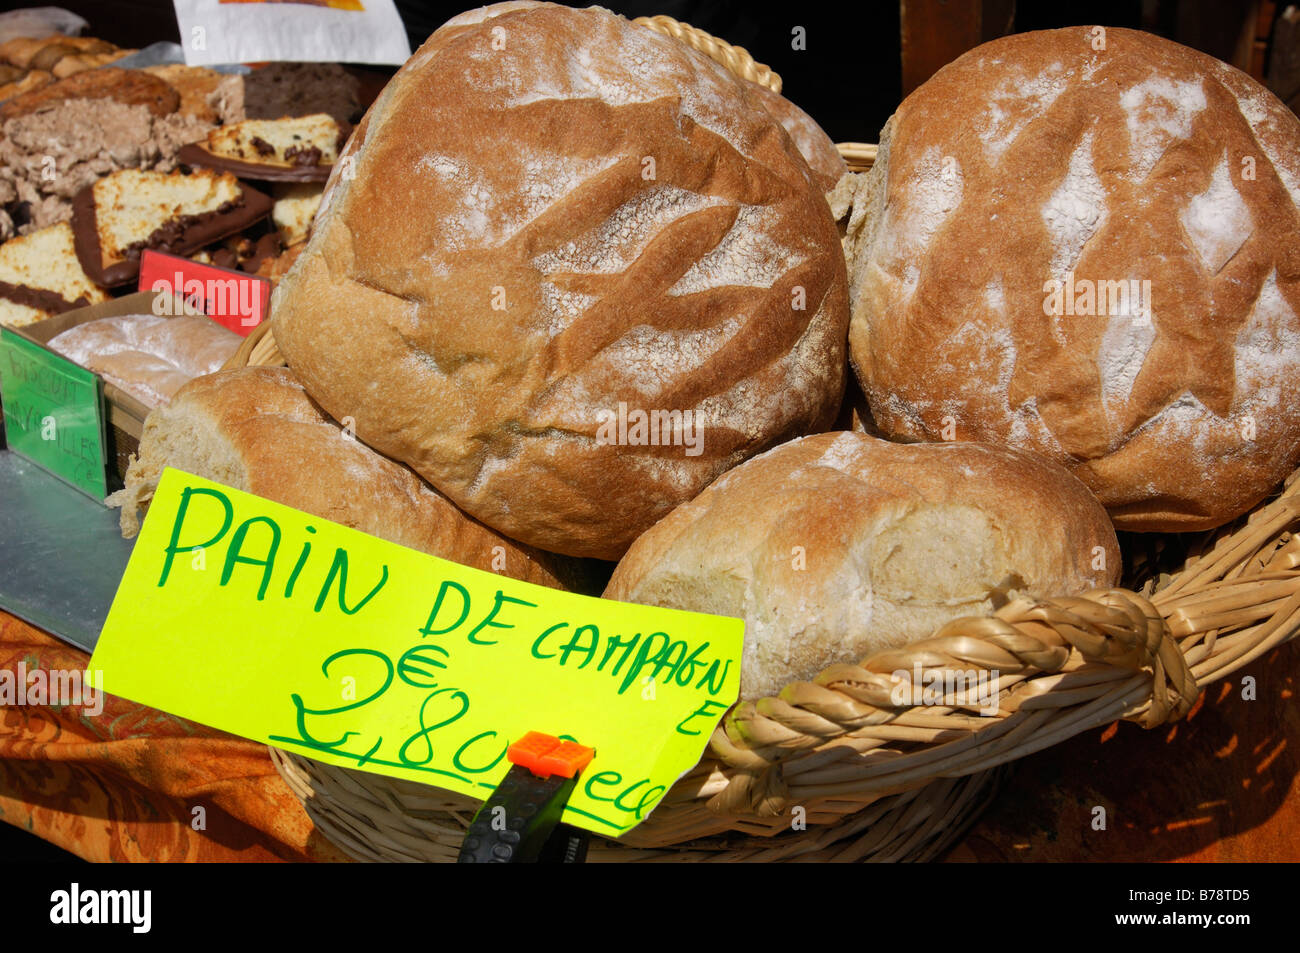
x: 256, y: 430
x: 1093, y: 172
x: 836, y: 546
x: 547, y: 215
x: 148, y: 356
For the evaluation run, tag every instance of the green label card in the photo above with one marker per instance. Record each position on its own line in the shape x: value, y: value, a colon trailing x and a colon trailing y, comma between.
x: 266, y: 622
x: 53, y: 413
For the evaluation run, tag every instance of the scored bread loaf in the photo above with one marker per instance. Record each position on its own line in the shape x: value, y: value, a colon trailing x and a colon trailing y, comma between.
x: 839, y: 545
x: 575, y: 271
x: 1083, y: 242
x: 256, y: 430
x: 823, y: 159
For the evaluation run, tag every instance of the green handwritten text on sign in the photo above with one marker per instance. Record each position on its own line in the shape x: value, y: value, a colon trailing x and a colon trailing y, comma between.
x: 53, y: 413
x: 263, y: 621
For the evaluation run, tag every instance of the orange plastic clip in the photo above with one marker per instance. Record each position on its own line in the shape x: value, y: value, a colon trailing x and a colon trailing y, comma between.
x: 545, y: 755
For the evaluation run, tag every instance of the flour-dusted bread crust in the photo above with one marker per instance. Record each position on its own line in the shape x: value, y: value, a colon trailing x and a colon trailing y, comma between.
x: 256, y: 430
x: 836, y: 546
x: 551, y: 216
x: 814, y: 145
x: 1037, y: 159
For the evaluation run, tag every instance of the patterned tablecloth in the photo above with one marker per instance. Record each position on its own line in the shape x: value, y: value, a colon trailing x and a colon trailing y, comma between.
x: 134, y: 784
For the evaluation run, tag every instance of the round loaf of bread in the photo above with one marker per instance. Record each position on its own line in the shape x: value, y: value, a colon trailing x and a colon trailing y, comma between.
x: 256, y: 430
x: 814, y: 145
x: 1085, y: 243
x: 570, y: 270
x: 840, y: 545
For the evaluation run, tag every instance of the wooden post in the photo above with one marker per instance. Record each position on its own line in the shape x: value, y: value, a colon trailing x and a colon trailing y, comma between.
x: 936, y: 32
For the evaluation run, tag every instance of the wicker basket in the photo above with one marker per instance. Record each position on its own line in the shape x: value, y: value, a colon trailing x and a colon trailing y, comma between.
x: 876, y: 780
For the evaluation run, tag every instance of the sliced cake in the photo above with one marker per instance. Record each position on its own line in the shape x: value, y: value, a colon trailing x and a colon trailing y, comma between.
x: 295, y: 209
x: 124, y: 213
x: 40, y: 277
x: 301, y: 149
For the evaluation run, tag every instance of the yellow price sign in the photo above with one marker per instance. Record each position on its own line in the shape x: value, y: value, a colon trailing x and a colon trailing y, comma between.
x: 267, y: 622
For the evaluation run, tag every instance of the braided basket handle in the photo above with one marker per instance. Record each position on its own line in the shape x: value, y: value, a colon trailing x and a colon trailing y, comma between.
x: 735, y: 58
x: 1063, y: 665
x: 258, y: 349
x: 858, y: 156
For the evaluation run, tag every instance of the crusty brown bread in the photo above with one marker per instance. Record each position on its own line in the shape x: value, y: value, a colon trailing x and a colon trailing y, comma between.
x: 839, y: 545
x: 25, y: 50
x: 30, y: 80
x: 132, y: 87
x: 814, y: 145
x: 552, y: 218
x: 255, y: 429
x: 1129, y: 171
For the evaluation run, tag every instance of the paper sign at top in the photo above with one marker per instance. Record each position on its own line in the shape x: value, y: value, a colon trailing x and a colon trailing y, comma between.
x: 214, y: 32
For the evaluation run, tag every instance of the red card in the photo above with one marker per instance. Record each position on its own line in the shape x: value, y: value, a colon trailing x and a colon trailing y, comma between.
x: 231, y: 298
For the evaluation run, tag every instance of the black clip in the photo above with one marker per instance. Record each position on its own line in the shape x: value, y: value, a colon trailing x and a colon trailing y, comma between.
x: 520, y: 822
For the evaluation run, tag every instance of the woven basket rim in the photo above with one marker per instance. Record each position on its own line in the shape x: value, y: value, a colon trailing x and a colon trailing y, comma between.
x: 1083, y: 662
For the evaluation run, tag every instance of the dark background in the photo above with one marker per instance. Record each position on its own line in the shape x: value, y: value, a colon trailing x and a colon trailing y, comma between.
x: 849, y: 77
